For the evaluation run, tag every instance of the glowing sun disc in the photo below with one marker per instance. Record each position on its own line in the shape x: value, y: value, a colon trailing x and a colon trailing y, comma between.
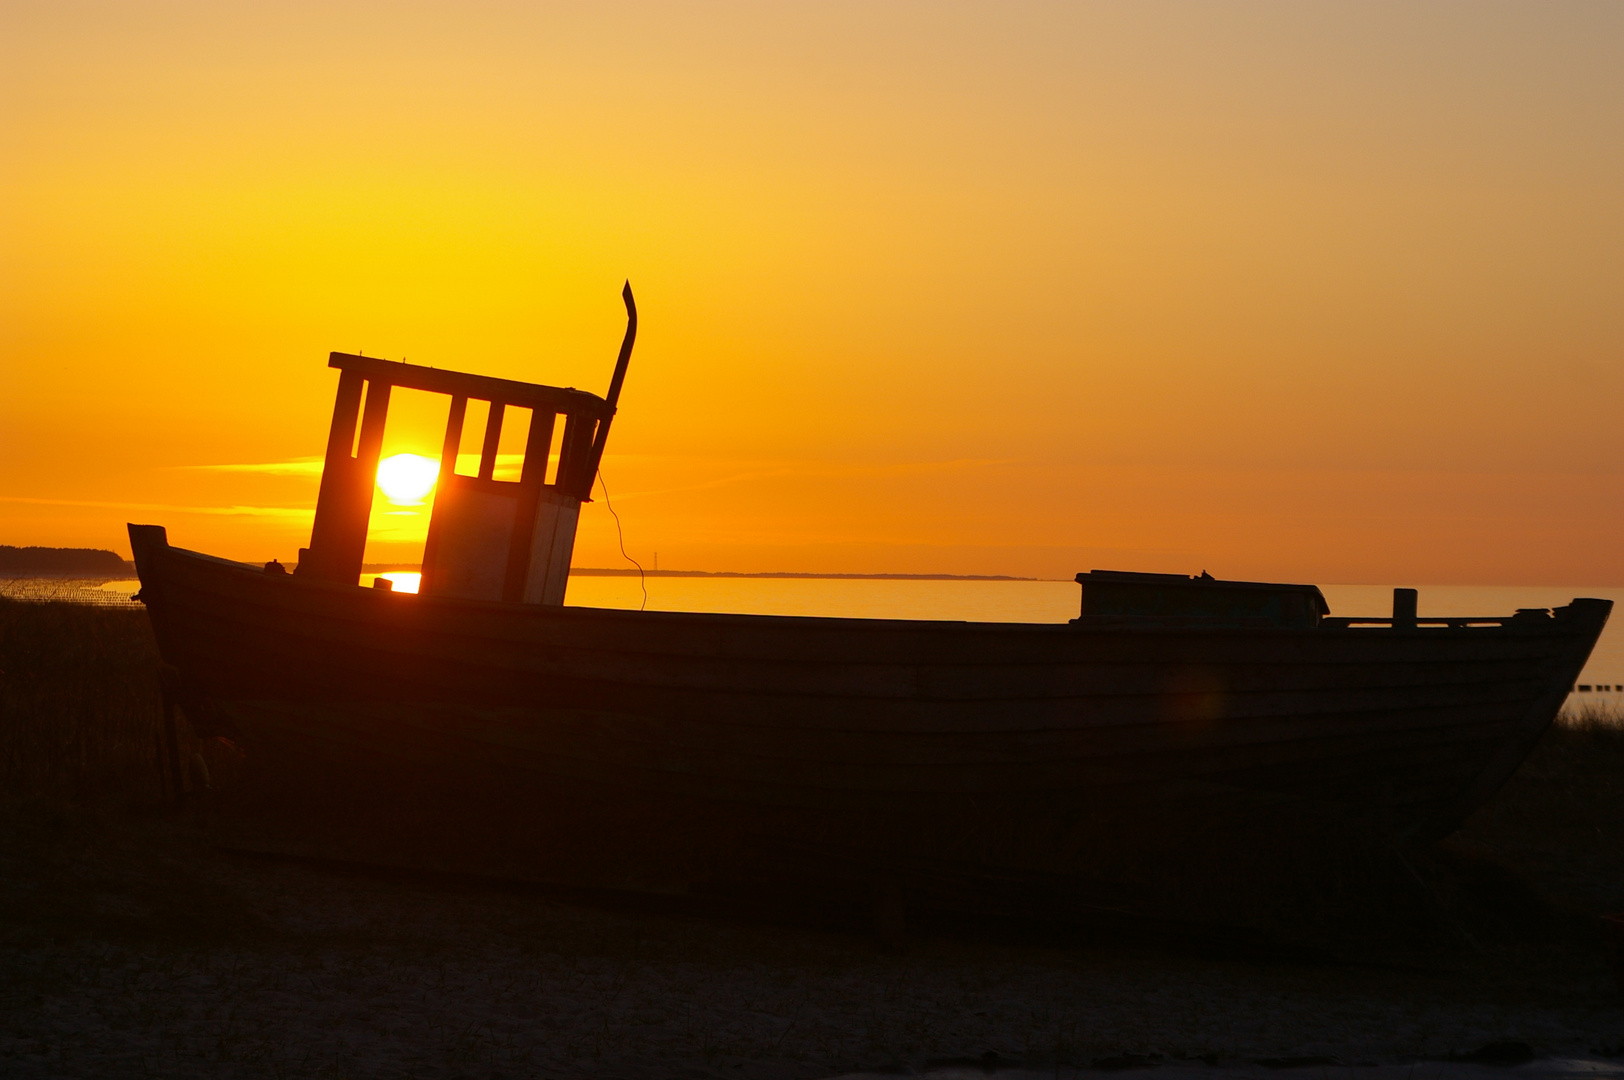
x: 406, y: 478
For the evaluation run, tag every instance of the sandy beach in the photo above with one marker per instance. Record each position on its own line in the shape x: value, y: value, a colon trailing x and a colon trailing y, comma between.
x: 133, y: 948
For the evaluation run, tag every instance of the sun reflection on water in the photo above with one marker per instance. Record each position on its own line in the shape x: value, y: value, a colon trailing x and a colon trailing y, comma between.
x: 403, y: 580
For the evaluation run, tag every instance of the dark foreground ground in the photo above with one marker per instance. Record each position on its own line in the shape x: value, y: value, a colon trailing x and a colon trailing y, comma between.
x: 130, y: 946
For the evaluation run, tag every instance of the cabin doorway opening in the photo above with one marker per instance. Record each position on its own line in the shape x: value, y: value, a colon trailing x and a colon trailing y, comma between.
x: 405, y: 487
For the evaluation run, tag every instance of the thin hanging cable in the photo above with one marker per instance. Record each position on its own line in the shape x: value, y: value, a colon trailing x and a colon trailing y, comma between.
x: 642, y: 582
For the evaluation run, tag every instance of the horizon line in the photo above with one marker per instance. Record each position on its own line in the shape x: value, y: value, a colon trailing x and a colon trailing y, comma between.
x: 606, y: 571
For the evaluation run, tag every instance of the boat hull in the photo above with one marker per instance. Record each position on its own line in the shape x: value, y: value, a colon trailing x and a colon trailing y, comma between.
x: 682, y: 752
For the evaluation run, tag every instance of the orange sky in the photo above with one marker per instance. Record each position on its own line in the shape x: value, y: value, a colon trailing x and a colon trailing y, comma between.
x: 1302, y: 291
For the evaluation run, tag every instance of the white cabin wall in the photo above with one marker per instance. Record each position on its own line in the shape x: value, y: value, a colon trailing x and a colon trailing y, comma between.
x: 551, y: 548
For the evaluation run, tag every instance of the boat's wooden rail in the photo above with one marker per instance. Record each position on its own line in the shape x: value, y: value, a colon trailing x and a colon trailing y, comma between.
x: 1404, y: 617
x: 542, y: 398
x: 1523, y: 617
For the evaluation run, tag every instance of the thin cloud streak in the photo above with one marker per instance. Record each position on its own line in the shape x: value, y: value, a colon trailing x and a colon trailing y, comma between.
x: 296, y: 467
x: 764, y: 470
x: 313, y: 466
x: 774, y: 470
x: 227, y: 511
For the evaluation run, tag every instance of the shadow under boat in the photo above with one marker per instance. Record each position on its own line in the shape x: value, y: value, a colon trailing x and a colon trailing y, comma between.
x: 1179, y: 742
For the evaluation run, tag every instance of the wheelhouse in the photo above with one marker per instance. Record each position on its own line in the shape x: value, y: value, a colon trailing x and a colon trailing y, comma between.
x: 488, y: 538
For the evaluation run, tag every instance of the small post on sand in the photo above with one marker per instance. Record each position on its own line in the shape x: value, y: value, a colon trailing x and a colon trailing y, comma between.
x: 159, y: 754
x: 890, y: 922
x: 169, y: 681
x: 1404, y: 609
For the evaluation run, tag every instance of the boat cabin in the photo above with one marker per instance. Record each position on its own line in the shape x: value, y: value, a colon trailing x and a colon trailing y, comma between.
x: 488, y: 539
x: 1124, y: 594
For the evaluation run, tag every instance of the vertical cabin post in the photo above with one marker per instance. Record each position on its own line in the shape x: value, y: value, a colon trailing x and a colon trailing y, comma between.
x: 453, y: 437
x: 538, y: 446
x: 373, y: 418
x: 344, y: 564
x: 332, y: 502
x: 338, y: 539
x: 445, y: 493
x: 493, y: 441
x: 532, y: 475
x: 346, y: 414
x: 576, y: 465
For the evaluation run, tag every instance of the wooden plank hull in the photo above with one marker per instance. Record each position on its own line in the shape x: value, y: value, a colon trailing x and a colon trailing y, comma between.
x: 691, y: 752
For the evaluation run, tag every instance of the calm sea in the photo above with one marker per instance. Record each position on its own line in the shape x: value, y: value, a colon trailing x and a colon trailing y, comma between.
x: 981, y: 601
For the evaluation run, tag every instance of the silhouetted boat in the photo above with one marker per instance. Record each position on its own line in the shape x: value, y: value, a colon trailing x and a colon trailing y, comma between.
x: 1176, y: 727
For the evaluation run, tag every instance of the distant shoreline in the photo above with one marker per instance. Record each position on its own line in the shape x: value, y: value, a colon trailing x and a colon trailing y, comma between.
x: 588, y: 571
x: 54, y: 561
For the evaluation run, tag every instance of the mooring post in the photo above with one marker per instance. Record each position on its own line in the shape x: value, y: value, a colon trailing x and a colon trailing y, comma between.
x: 1404, y: 609
x: 158, y: 755
x: 890, y: 920
x: 169, y: 682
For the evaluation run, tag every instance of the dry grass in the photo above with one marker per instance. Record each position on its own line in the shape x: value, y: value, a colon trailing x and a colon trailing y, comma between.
x: 79, y: 703
x: 1559, y: 822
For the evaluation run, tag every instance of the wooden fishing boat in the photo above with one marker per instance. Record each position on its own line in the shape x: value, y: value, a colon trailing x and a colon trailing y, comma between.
x: 1177, y: 726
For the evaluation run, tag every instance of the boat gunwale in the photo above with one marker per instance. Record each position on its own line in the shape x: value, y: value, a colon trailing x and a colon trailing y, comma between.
x: 1375, y: 629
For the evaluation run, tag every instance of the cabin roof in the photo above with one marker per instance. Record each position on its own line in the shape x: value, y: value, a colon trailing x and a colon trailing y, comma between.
x: 1179, y: 583
x: 481, y: 387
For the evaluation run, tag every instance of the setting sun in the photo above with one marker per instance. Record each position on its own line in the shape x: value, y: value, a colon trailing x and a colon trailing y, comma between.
x: 407, y: 478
